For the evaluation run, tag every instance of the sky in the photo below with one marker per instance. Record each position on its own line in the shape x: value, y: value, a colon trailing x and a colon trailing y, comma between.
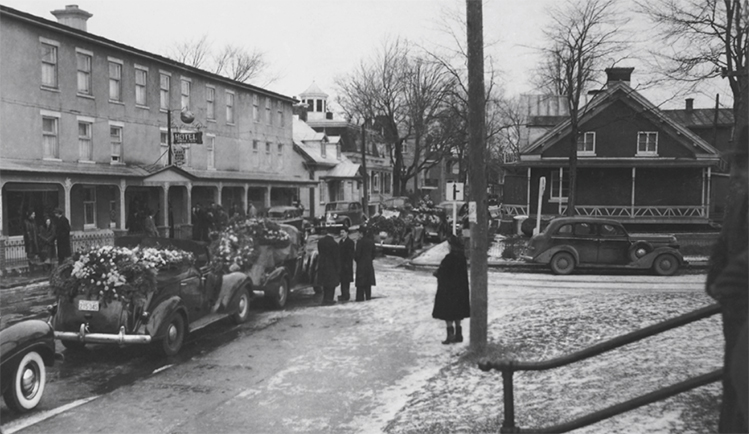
x: 320, y: 40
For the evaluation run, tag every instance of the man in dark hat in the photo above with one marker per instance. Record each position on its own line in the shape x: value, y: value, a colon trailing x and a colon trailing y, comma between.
x: 328, y: 268
x: 62, y: 235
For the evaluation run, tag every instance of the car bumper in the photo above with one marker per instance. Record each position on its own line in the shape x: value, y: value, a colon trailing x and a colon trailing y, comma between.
x: 120, y: 338
x: 390, y: 246
x: 527, y: 258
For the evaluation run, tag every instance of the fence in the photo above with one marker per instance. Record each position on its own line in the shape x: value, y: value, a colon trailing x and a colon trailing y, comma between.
x: 508, y: 367
x: 13, y: 252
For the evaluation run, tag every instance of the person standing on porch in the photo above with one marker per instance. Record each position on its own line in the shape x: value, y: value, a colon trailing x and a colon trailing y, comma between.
x: 47, y: 243
x: 251, y: 211
x: 31, y: 238
x: 62, y: 235
x: 347, y: 251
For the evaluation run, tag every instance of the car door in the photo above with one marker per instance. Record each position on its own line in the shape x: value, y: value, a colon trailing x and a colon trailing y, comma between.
x: 585, y: 240
x: 191, y: 292
x: 613, y: 245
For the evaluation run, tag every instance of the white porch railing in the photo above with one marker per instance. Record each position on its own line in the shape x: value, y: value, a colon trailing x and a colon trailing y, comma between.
x: 15, y: 252
x: 513, y: 210
x: 666, y: 213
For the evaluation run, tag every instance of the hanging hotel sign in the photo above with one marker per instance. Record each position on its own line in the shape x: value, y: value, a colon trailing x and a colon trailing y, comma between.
x: 195, y: 137
x: 178, y: 156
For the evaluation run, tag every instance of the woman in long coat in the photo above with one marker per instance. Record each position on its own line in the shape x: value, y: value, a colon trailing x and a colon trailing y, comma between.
x: 365, y: 274
x: 452, y: 302
x: 30, y: 238
x: 47, y: 242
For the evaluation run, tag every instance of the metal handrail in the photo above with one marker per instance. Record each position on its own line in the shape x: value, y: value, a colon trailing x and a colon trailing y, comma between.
x: 508, y: 367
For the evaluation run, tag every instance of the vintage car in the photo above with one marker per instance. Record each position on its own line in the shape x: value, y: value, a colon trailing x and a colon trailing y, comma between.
x: 25, y: 349
x: 289, y: 215
x: 462, y: 213
x: 342, y: 214
x: 397, y: 231
x: 184, y: 299
x: 583, y: 242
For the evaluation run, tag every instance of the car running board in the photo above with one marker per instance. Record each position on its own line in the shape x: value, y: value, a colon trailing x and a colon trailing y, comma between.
x: 207, y: 320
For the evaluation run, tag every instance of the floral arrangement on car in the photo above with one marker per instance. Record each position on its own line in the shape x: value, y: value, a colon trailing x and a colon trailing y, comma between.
x: 391, y: 225
x: 235, y: 245
x: 108, y: 273
x: 165, y: 259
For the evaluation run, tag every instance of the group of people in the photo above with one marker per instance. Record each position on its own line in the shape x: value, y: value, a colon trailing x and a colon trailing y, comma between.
x: 335, y: 266
x: 46, y: 241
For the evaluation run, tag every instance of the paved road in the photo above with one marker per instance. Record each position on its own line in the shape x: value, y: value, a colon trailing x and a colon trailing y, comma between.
x: 346, y: 368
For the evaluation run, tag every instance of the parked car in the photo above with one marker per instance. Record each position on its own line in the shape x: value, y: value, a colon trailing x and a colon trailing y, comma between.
x: 397, y: 231
x: 289, y: 215
x: 397, y: 203
x: 583, y: 242
x: 342, y: 214
x: 25, y: 349
x: 448, y: 207
x: 184, y: 300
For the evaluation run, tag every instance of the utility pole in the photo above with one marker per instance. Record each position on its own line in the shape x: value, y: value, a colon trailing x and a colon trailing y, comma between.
x: 477, y: 173
x: 365, y: 177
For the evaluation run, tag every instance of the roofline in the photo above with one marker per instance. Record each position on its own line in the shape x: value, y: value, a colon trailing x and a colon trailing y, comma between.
x: 43, y: 22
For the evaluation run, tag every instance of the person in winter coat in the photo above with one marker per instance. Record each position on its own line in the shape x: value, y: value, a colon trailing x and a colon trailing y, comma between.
x: 452, y: 301
x: 62, y: 236
x: 365, y: 274
x: 150, y: 225
x: 328, y: 268
x: 47, y: 243
x: 31, y: 238
x: 347, y: 252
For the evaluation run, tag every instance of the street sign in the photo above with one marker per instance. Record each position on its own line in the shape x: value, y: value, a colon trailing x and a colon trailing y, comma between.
x: 454, y: 191
x: 187, y: 138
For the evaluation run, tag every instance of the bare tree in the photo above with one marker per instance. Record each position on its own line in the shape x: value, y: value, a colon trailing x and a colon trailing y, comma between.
x: 704, y: 39
x: 583, y: 38
x: 231, y: 61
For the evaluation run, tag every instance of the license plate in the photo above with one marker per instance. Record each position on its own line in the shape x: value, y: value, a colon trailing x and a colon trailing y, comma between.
x: 88, y: 305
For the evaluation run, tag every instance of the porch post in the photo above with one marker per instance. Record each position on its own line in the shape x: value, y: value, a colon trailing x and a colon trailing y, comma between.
x: 68, y: 185
x: 245, y: 189
x: 632, y: 203
x: 123, y: 214
x: 1, y: 220
x: 707, y: 196
x: 165, y: 206
x: 267, y: 196
x: 528, y: 188
x: 220, y: 193
x: 189, y: 202
x: 561, y: 174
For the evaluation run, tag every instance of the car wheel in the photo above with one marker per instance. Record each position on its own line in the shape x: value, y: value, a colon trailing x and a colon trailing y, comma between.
x: 282, y: 294
x: 242, y: 307
x: 665, y: 265
x: 175, y: 335
x: 639, y: 249
x: 562, y: 263
x: 74, y: 345
x: 28, y: 383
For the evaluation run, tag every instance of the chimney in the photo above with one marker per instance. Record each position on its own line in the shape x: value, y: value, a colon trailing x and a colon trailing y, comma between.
x: 614, y: 75
x: 73, y: 17
x: 690, y: 104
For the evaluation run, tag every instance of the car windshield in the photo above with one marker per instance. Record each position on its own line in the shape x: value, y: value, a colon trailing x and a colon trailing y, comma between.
x: 396, y: 202
x: 337, y: 206
x: 276, y: 214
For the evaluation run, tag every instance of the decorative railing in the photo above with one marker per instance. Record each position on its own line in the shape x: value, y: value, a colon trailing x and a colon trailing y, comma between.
x: 15, y: 251
x: 628, y: 212
x: 509, y: 367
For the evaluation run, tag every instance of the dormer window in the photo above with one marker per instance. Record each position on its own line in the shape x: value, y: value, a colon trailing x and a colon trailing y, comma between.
x: 647, y: 144
x: 322, y: 149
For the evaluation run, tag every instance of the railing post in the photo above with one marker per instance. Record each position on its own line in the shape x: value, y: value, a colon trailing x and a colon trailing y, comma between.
x: 508, y: 424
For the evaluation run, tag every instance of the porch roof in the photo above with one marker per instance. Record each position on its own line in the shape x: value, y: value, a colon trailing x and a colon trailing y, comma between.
x: 71, y: 167
x: 267, y: 178
x: 619, y: 162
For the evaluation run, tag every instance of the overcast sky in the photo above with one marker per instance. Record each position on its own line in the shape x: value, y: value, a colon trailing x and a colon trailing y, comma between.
x: 307, y: 40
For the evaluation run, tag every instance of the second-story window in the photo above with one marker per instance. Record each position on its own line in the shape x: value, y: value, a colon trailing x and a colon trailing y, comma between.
x: 83, y: 60
x: 586, y: 143
x: 268, y: 118
x: 115, y: 81
x: 255, y: 145
x: 279, y: 111
x: 141, y: 82
x: 267, y: 147
x: 51, y: 137
x: 647, y: 143
x: 164, y: 83
x: 85, y: 143
x: 229, y: 108
x: 255, y: 108
x: 210, y: 100
x: 280, y: 149
x: 89, y: 207
x: 49, y: 65
x: 185, y: 94
x: 115, y: 137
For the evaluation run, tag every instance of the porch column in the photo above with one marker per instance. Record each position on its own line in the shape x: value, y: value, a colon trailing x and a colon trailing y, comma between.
x: 123, y: 215
x: 68, y: 185
x: 267, y: 197
x: 528, y: 200
x: 1, y: 218
x: 632, y: 200
x: 561, y: 175
x: 189, y: 202
x: 245, y: 190
x: 707, y: 196
x: 219, y: 193
x: 165, y: 206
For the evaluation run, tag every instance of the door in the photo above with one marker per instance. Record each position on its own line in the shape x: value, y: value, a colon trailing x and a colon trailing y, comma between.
x: 613, y: 246
x: 192, y: 295
x: 585, y: 240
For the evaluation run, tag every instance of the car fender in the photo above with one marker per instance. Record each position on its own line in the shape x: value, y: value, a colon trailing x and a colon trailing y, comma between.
x: 647, y: 260
x: 156, y: 326
x: 19, y: 338
x: 545, y: 256
x: 230, y: 284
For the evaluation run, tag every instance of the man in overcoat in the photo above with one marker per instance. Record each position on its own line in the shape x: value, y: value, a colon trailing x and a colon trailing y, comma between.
x: 328, y: 268
x: 347, y: 251
x: 62, y: 235
x: 365, y: 274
